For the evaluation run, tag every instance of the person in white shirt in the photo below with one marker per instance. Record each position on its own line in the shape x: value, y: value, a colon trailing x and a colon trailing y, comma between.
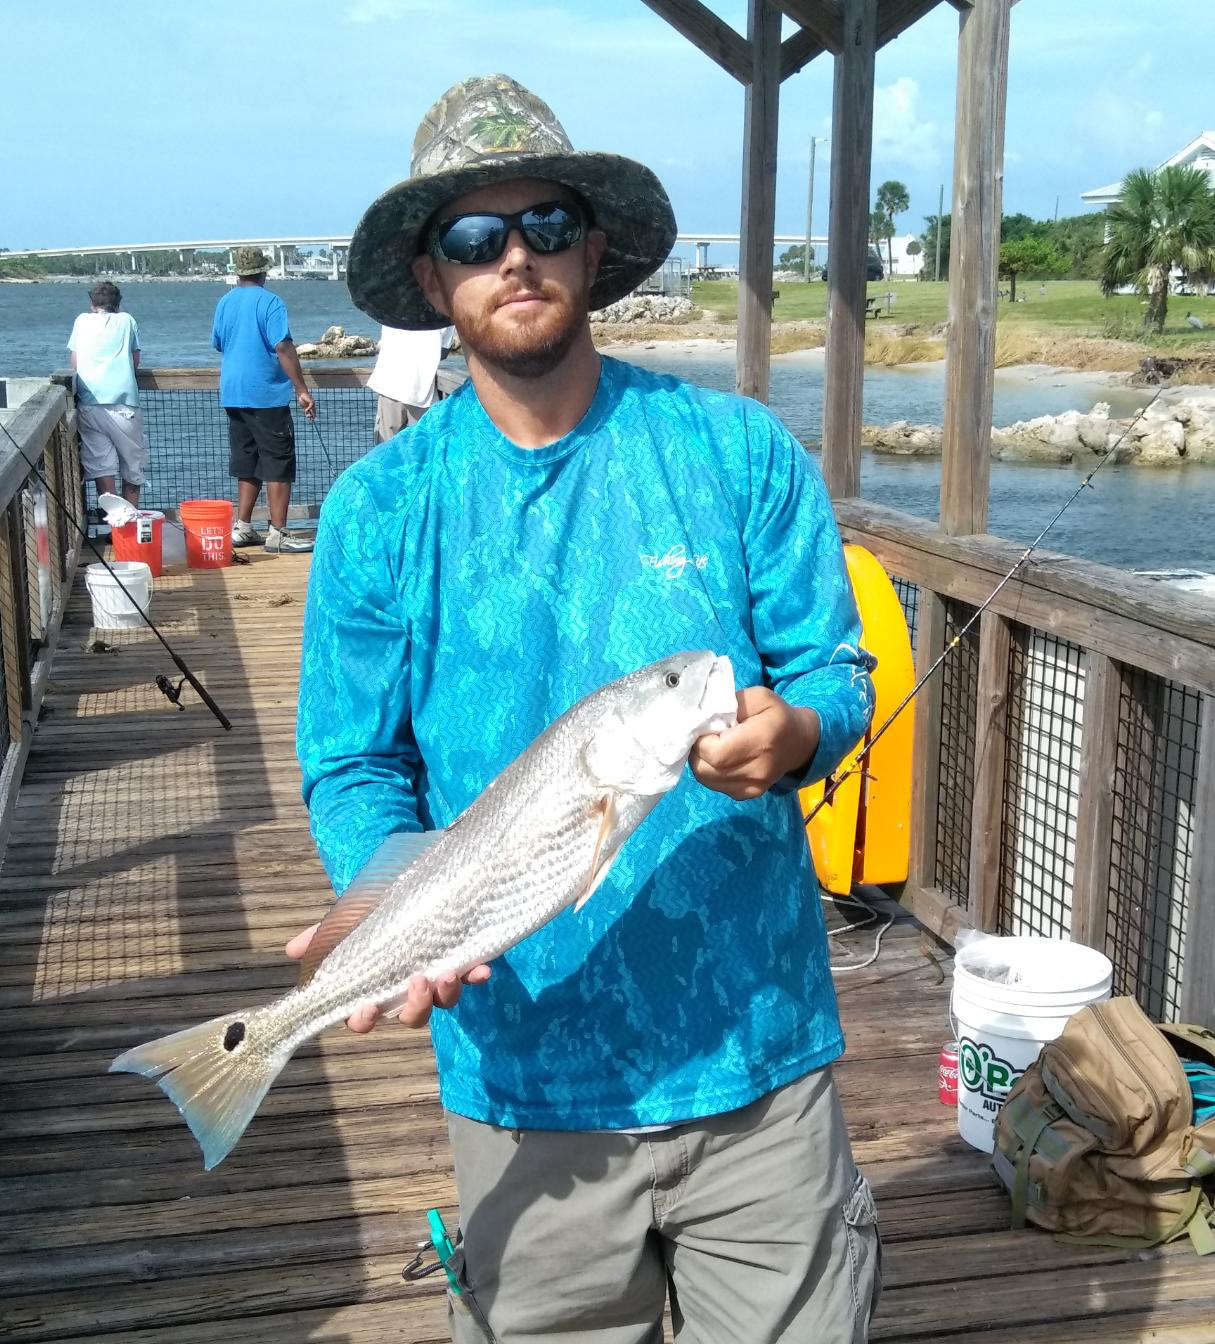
x: 405, y: 376
x: 105, y: 355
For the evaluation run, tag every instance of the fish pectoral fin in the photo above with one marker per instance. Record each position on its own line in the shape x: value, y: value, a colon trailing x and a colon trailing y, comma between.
x: 364, y: 894
x: 600, y: 866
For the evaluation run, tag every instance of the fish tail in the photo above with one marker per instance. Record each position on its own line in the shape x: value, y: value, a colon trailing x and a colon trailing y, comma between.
x: 216, y: 1074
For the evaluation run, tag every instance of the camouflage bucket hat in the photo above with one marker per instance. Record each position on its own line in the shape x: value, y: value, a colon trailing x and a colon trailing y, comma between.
x: 491, y: 129
x: 251, y: 261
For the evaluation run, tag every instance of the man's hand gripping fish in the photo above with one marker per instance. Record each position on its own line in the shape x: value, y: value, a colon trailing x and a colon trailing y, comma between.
x: 541, y: 836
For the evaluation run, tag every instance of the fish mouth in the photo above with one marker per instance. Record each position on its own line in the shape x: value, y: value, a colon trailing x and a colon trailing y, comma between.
x: 719, y: 699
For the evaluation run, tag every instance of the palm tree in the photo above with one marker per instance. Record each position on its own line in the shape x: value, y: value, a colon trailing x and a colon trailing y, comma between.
x: 1162, y: 219
x: 892, y: 199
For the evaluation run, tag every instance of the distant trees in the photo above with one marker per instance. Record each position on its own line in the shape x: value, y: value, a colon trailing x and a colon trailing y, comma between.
x: 892, y: 199
x: 1076, y: 239
x: 1161, y: 220
x: 793, y: 258
x: 1028, y: 256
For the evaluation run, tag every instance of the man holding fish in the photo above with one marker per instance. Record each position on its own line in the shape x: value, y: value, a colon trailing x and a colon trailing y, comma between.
x: 639, y: 1092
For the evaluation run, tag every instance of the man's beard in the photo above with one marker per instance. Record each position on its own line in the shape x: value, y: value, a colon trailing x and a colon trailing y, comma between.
x: 535, y: 348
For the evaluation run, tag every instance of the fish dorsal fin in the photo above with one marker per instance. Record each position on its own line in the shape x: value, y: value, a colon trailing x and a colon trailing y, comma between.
x: 364, y: 894
x: 606, y: 807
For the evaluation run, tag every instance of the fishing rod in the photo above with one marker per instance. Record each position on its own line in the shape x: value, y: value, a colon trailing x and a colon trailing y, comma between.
x: 829, y: 792
x: 163, y: 684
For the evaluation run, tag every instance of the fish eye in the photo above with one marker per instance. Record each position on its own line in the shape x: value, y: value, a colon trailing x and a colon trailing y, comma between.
x: 672, y: 679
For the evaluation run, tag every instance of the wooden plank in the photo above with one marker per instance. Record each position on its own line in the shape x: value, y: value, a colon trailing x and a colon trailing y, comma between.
x: 848, y: 234
x: 978, y: 183
x: 718, y: 41
x: 1095, y: 803
x: 1198, y: 966
x: 896, y: 16
x: 797, y: 51
x: 351, y: 376
x: 1131, y: 619
x: 31, y: 424
x: 991, y: 751
x: 758, y: 226
x: 822, y: 19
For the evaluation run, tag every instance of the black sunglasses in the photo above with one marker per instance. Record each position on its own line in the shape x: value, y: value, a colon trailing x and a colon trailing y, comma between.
x: 473, y: 239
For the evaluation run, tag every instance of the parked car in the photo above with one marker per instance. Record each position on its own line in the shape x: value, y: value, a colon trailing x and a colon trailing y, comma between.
x: 874, y: 271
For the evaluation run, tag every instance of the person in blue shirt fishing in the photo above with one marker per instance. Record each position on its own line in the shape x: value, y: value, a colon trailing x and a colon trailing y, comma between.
x: 258, y: 375
x: 639, y: 1097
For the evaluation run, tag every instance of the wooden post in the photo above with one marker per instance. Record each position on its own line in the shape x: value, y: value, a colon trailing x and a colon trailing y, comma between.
x: 926, y: 767
x: 848, y: 248
x: 974, y: 245
x: 991, y: 751
x: 758, y: 227
x: 1095, y: 805
x: 1198, y: 968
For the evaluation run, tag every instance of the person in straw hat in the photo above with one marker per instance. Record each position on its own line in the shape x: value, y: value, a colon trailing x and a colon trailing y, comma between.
x: 259, y: 373
x: 640, y: 1097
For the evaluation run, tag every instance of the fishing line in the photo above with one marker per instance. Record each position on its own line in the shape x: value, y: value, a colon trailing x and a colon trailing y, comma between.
x: 829, y: 792
x: 161, y: 681
x: 328, y: 459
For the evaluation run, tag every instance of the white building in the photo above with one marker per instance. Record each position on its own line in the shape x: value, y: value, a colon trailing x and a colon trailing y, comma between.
x: 1199, y: 153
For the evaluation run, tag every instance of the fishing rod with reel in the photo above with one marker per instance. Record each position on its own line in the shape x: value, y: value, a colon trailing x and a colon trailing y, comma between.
x: 163, y: 683
x: 955, y: 642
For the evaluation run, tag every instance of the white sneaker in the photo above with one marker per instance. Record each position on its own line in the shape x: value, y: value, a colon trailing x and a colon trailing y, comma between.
x: 245, y: 534
x: 281, y: 542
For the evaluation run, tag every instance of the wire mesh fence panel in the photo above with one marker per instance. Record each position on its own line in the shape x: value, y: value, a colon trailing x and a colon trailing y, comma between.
x: 909, y: 597
x: 37, y: 561
x: 6, y: 635
x: 1041, y: 784
x: 187, y: 431
x: 1153, y: 838
x: 959, y: 692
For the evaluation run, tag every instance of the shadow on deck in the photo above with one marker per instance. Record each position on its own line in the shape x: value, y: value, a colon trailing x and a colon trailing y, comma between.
x: 156, y: 867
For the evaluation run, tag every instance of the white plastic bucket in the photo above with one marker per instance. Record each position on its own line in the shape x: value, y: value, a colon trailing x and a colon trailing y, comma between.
x: 1000, y: 1027
x: 118, y: 598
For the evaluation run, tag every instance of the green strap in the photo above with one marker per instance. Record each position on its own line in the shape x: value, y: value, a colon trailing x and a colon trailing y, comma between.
x: 1200, y: 1230
x: 1020, y: 1190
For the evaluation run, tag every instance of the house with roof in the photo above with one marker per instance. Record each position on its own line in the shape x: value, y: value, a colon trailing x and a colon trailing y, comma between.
x: 1199, y: 153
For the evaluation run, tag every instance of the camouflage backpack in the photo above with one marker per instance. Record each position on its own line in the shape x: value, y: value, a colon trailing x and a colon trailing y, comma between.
x: 1098, y: 1141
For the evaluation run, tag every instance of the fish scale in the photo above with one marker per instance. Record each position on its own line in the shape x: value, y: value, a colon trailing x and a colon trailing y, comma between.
x: 540, y: 837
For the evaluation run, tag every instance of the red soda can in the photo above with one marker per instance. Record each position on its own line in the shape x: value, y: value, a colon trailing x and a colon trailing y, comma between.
x: 947, y: 1075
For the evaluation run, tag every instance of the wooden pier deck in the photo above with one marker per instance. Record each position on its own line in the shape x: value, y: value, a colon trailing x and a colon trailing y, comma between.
x: 155, y: 868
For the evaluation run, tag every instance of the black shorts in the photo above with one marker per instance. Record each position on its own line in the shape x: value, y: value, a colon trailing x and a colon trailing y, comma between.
x: 261, y: 440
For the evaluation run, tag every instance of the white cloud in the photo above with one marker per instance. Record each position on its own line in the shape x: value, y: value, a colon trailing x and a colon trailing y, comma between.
x: 900, y: 134
x: 1117, y: 119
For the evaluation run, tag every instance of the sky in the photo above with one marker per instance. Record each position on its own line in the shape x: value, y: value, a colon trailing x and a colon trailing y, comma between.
x: 157, y: 120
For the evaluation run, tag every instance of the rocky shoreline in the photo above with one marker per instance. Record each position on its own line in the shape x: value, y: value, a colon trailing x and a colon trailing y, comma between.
x: 1176, y: 429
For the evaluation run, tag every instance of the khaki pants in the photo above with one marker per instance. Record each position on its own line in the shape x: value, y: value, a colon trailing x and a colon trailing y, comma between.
x: 756, y: 1221
x: 392, y: 416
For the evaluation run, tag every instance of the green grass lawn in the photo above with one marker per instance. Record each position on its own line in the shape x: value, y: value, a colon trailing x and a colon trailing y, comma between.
x: 1068, y: 307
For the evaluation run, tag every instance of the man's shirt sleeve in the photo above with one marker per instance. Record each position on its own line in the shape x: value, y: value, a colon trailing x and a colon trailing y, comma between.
x: 804, y: 614
x: 275, y: 327
x: 353, y: 735
x: 217, y: 341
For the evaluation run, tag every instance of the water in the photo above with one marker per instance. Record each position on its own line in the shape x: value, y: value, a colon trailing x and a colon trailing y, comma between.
x: 1133, y: 518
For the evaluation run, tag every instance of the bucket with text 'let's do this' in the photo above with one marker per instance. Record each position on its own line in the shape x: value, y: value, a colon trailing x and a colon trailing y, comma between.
x: 208, y: 527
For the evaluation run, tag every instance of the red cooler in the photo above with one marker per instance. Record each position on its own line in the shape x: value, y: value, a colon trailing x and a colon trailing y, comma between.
x: 140, y: 539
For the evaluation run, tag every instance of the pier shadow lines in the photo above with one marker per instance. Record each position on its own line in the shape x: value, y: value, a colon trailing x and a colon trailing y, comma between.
x: 154, y: 868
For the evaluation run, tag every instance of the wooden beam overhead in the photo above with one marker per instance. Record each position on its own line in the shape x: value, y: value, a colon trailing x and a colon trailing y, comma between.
x: 705, y: 30
x: 896, y: 16
x: 960, y: 5
x: 822, y: 19
x: 798, y: 51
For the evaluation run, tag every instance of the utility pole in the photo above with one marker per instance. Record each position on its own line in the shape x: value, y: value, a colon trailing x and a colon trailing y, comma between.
x: 814, y: 140
x: 940, y: 212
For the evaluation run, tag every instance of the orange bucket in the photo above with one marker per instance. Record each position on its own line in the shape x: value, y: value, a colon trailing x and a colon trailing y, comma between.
x: 141, y: 539
x: 207, y: 524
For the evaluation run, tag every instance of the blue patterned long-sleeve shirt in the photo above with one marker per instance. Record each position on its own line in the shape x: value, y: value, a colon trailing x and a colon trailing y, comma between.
x: 464, y: 593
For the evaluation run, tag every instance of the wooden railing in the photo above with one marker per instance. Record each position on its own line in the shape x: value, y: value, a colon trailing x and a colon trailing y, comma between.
x: 39, y: 547
x: 1064, y: 774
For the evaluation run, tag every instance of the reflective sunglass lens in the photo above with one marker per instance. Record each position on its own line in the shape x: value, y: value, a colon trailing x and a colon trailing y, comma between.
x: 473, y: 238
x: 476, y: 239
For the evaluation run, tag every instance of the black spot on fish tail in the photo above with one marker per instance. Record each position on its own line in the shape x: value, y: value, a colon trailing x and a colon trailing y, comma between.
x: 234, y: 1035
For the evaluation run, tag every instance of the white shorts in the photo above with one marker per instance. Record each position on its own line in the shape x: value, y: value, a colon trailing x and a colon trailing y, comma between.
x: 112, y: 443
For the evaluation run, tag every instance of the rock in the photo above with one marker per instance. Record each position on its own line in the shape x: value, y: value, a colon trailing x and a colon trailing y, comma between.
x: 306, y: 350
x: 664, y: 308
x: 335, y: 344
x: 332, y: 335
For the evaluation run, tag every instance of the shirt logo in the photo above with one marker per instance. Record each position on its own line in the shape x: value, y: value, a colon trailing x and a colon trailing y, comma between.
x: 674, y: 562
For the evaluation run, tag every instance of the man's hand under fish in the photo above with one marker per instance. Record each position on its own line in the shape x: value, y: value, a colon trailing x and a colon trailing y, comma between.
x: 422, y: 995
x: 770, y: 740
